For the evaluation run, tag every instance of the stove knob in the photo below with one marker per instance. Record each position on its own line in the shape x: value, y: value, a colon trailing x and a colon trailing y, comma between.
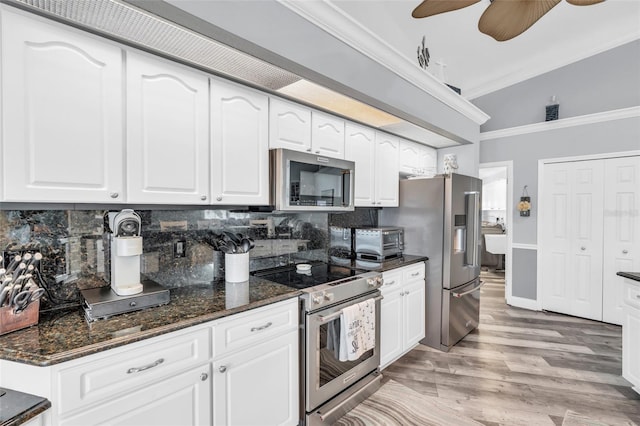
x: 329, y: 297
x: 371, y: 282
x: 379, y: 280
x: 316, y: 300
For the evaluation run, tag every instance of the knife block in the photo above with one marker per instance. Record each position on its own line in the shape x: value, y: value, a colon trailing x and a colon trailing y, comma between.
x: 10, y: 321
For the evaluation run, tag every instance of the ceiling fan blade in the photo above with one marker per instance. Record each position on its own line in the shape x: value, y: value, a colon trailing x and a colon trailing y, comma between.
x: 506, y: 19
x: 584, y: 2
x: 433, y: 7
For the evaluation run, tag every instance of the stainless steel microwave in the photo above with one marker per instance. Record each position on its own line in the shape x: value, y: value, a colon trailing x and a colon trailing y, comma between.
x: 302, y: 181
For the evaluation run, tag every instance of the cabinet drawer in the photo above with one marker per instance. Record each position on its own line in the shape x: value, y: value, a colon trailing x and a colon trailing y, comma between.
x: 248, y: 328
x: 632, y: 293
x: 109, y: 374
x: 413, y: 272
x: 392, y: 281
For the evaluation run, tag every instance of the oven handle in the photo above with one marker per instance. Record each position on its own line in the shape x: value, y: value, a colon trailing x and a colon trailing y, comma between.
x: 323, y: 319
x: 459, y: 295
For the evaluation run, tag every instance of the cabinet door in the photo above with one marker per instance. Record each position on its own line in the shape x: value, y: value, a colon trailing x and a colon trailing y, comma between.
x: 621, y: 250
x: 409, y: 158
x: 391, y: 325
x: 184, y: 399
x: 62, y: 109
x: 240, y: 146
x: 387, y: 179
x: 572, y: 238
x: 327, y: 135
x: 289, y: 125
x: 258, y: 386
x: 413, y: 314
x: 167, y: 132
x: 428, y: 161
x: 631, y: 347
x: 360, y: 148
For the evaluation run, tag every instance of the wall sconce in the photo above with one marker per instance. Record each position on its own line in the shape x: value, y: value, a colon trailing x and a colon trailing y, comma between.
x: 524, y: 206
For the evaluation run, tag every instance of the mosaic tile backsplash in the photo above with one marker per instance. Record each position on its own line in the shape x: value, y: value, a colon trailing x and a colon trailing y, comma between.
x: 71, y: 242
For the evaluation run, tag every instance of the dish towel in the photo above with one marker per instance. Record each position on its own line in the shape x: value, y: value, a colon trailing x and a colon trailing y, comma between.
x: 357, y: 330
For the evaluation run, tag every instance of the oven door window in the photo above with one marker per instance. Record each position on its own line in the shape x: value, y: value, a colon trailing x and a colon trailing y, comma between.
x: 317, y: 185
x: 330, y: 365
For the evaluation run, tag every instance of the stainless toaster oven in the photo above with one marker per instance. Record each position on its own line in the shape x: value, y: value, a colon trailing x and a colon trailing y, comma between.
x: 378, y: 244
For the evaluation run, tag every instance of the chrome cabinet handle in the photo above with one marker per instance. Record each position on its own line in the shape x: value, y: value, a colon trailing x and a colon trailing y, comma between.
x: 204, y: 376
x: 203, y: 197
x: 114, y: 195
x: 583, y: 248
x: 318, y: 152
x: 146, y: 367
x: 308, y: 149
x: 390, y: 282
x: 267, y: 325
x: 222, y: 369
x: 415, y: 274
x: 219, y: 198
x: 625, y: 251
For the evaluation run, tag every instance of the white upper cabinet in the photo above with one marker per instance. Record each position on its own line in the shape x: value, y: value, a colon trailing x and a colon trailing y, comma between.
x: 386, y: 170
x: 416, y: 159
x: 62, y: 105
x: 360, y: 148
x: 167, y: 132
x: 289, y: 125
x: 376, y: 157
x: 327, y: 135
x: 239, y: 145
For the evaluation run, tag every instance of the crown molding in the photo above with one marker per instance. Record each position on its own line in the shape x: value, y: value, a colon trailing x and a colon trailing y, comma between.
x: 598, y: 117
x: 325, y: 15
x: 540, y: 67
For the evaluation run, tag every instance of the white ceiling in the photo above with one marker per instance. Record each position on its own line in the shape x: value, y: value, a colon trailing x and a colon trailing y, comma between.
x: 477, y: 63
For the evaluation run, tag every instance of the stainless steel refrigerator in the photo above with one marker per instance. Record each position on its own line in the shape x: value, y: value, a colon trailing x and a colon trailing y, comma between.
x: 441, y: 220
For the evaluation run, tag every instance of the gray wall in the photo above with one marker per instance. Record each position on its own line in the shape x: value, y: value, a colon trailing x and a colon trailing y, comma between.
x: 270, y: 31
x: 604, y: 82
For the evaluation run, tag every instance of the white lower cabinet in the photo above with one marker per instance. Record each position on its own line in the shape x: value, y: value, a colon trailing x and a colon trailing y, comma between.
x: 168, y: 379
x: 631, y: 333
x: 402, y: 308
x: 258, y: 385
x: 183, y: 400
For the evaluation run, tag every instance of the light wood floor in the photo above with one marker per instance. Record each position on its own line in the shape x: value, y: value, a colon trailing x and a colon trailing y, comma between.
x: 522, y: 367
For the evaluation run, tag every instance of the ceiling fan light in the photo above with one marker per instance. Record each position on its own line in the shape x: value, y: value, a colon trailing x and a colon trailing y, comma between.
x: 506, y: 19
x: 434, y: 7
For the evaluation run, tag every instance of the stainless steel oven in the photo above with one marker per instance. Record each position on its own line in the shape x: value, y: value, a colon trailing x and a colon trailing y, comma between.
x: 327, y: 376
x: 329, y: 388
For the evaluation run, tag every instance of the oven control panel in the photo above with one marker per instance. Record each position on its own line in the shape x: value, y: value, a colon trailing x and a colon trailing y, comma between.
x: 343, y: 290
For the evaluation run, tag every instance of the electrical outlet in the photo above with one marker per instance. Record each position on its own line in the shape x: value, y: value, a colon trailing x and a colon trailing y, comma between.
x: 180, y: 248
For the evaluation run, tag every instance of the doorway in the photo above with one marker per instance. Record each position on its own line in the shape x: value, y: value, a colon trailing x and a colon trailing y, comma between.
x: 497, y: 219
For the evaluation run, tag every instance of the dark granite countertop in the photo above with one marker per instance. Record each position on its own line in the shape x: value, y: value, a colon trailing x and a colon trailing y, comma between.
x: 65, y: 335
x: 405, y: 260
x: 17, y: 408
x: 631, y: 275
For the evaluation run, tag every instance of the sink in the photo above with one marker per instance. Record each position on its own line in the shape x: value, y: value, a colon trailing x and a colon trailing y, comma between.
x: 496, y: 243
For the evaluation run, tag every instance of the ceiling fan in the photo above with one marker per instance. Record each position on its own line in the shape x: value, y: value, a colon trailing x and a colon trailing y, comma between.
x: 502, y: 19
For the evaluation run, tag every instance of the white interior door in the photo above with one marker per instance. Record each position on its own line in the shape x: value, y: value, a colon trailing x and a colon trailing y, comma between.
x: 571, y: 223
x: 621, y: 232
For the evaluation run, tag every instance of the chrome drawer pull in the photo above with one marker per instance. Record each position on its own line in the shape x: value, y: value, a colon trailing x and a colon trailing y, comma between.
x: 146, y: 367
x: 459, y: 295
x: 390, y: 282
x: 267, y: 325
x: 415, y: 274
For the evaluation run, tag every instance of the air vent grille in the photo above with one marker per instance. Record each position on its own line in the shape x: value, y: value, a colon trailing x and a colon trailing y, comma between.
x: 132, y: 25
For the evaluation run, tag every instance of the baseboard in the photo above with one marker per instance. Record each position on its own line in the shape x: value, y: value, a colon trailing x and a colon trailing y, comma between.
x: 521, y: 302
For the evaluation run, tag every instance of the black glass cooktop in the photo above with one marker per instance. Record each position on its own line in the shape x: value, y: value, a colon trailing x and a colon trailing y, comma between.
x: 320, y: 273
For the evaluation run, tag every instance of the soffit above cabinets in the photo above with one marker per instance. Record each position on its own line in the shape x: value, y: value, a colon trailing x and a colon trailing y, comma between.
x: 128, y: 24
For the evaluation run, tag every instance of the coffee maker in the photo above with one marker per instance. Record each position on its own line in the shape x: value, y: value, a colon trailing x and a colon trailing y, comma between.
x: 126, y: 248
x: 122, y: 243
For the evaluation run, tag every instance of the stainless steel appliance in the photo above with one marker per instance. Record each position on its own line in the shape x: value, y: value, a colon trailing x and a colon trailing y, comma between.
x: 379, y: 244
x: 441, y: 217
x: 302, y: 181
x: 127, y: 293
x: 341, y: 245
x: 330, y: 387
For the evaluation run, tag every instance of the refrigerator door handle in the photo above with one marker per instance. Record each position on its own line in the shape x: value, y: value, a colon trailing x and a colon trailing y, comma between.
x: 473, y: 228
x: 459, y: 295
